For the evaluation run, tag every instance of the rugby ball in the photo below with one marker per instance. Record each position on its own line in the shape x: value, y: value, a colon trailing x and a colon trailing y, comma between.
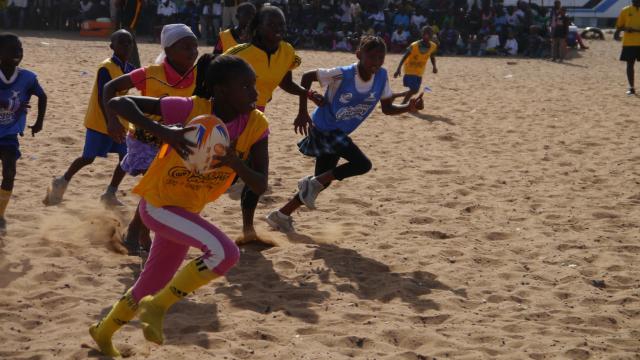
x: 211, y: 138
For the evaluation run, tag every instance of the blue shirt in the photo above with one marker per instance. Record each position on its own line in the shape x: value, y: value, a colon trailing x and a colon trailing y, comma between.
x: 20, y: 89
x: 401, y: 19
x: 349, y: 108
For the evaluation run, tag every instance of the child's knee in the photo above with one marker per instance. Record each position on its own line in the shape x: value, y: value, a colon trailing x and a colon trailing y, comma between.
x: 366, y: 166
x: 88, y: 160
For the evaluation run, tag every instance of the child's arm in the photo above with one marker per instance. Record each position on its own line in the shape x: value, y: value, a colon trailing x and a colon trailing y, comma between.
x: 110, y: 90
x: 302, y: 121
x: 134, y: 108
x: 42, y: 109
x: 254, y: 176
x: 404, y: 57
x: 413, y: 105
x: 433, y: 62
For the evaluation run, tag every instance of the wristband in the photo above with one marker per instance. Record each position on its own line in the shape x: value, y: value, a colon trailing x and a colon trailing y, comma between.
x: 310, y: 94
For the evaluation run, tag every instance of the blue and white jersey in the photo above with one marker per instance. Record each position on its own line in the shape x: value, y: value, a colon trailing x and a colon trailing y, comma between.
x: 349, y: 104
x: 19, y: 88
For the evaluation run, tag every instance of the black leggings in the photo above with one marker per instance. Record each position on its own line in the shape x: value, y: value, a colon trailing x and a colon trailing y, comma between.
x: 357, y: 163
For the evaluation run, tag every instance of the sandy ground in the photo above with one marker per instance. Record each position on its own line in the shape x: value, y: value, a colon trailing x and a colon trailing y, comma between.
x: 478, y: 234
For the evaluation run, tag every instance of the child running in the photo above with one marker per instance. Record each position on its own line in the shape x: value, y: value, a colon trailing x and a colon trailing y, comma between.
x: 97, y: 141
x: 415, y: 61
x: 171, y: 201
x: 239, y: 34
x: 17, y: 85
x: 172, y: 75
x: 273, y: 60
x: 352, y: 93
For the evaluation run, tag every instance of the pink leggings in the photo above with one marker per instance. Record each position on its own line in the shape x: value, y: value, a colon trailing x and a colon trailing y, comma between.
x: 176, y: 230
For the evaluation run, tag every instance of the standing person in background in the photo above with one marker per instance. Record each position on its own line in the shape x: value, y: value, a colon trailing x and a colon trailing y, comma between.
x: 229, y: 13
x: 4, y: 16
x: 216, y: 10
x: 206, y: 21
x: 18, y: 10
x: 629, y: 22
x: 239, y: 34
x: 559, y: 32
x: 130, y: 11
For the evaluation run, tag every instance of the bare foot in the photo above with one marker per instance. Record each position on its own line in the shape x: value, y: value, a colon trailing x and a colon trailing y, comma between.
x: 252, y: 236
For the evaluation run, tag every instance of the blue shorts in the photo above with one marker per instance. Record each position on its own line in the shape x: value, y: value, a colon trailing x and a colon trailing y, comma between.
x: 10, y: 144
x: 412, y: 82
x: 99, y: 144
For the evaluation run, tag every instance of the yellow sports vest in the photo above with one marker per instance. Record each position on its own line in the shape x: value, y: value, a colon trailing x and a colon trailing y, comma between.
x: 630, y: 18
x: 157, y: 86
x: 417, y: 60
x: 94, y: 119
x: 228, y: 41
x: 169, y: 183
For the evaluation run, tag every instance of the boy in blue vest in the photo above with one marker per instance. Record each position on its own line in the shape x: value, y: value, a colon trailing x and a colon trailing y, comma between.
x: 17, y: 85
x: 352, y: 94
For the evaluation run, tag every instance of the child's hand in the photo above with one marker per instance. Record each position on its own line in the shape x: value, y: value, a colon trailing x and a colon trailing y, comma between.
x: 36, y: 128
x: 116, y: 131
x: 396, y: 74
x: 316, y: 97
x: 175, y: 137
x: 302, y: 123
x: 230, y: 158
x: 416, y: 103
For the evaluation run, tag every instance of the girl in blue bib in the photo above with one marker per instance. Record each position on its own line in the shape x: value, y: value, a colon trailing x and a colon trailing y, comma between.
x: 352, y: 94
x: 17, y: 85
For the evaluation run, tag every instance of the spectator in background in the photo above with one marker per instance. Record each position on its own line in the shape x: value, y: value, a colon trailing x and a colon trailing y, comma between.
x: 418, y: 20
x: 167, y: 11
x: 216, y: 10
x: 377, y: 19
x: 399, y: 39
x: 18, y: 11
x: 4, y: 16
x: 190, y: 16
x: 401, y: 19
x: 559, y: 31
x: 206, y: 21
x: 511, y: 44
x: 356, y: 13
x: 229, y: 13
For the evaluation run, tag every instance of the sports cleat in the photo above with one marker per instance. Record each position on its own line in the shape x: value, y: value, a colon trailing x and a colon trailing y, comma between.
x: 308, y: 190
x: 281, y: 222
x: 55, y: 192
x: 110, y: 200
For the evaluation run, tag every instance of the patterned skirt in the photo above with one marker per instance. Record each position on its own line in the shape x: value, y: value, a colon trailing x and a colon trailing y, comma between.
x: 319, y: 143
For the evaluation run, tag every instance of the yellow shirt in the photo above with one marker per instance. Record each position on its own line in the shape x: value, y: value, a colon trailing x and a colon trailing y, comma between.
x: 227, y: 39
x: 169, y: 183
x: 270, y: 70
x: 94, y: 118
x: 415, y: 63
x: 630, y: 18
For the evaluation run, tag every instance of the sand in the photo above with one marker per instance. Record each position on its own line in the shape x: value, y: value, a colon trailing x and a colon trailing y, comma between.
x: 500, y: 223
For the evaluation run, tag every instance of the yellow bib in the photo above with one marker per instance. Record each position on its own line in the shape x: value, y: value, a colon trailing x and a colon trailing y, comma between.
x: 228, y: 41
x: 630, y: 18
x: 270, y: 70
x: 417, y: 60
x: 157, y: 86
x: 169, y: 183
x: 94, y: 119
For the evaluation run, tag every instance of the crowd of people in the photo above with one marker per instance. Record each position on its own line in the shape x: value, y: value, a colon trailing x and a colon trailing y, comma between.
x: 486, y: 27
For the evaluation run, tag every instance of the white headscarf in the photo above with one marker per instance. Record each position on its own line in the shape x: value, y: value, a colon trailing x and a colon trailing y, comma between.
x: 171, y: 34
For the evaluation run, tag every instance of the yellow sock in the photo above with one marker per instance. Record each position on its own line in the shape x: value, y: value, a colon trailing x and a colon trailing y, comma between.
x: 5, y: 196
x: 153, y: 308
x: 123, y: 311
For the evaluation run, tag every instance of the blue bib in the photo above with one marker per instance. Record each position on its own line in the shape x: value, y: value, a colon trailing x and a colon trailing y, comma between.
x: 21, y: 89
x: 349, y: 108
